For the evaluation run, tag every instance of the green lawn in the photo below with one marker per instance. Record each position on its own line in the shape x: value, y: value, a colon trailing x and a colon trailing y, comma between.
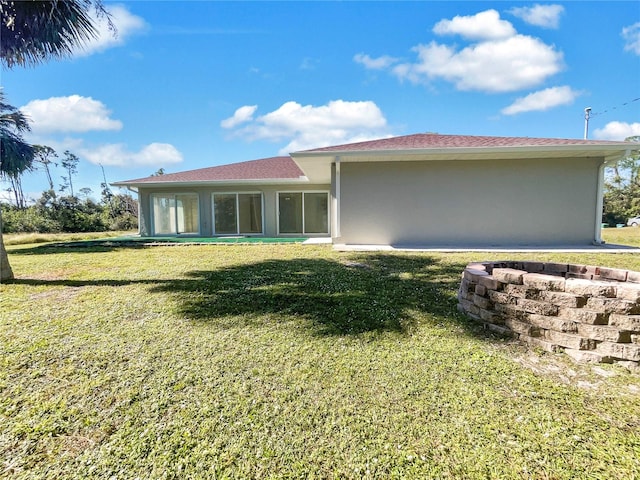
x: 622, y: 236
x: 288, y: 361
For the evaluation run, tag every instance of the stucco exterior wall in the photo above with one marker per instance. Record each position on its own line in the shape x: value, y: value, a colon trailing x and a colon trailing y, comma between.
x: 270, y: 203
x: 469, y: 203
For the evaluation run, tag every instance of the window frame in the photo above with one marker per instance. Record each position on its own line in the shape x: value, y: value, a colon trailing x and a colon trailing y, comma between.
x: 303, y: 192
x: 237, y: 205
x: 173, y: 196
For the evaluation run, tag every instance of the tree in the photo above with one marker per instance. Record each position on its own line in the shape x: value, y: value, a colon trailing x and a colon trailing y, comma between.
x: 16, y: 156
x: 18, y: 193
x: 70, y: 164
x: 34, y: 32
x: 85, y: 192
x: 622, y: 188
x: 44, y: 155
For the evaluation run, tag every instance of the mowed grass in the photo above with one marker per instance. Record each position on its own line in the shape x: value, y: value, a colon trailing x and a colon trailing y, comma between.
x: 33, y: 238
x: 288, y: 361
x: 622, y: 236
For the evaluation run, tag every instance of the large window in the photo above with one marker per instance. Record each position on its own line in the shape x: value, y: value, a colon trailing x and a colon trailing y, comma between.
x: 174, y: 214
x: 237, y: 213
x: 303, y: 212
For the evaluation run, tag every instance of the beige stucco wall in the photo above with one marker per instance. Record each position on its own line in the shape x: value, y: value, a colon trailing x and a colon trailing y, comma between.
x: 270, y: 200
x: 499, y: 202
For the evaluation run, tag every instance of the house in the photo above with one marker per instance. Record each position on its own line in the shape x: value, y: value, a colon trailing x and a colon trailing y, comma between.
x: 422, y: 189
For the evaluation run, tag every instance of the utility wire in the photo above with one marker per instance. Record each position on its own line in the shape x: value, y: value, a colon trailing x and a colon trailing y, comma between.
x: 625, y: 104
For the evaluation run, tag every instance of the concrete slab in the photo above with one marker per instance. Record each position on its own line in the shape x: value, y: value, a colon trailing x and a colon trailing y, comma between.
x: 317, y: 241
x: 605, y: 248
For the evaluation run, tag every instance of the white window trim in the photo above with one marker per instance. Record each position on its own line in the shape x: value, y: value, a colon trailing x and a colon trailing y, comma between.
x: 237, y: 194
x: 173, y: 194
x: 319, y: 234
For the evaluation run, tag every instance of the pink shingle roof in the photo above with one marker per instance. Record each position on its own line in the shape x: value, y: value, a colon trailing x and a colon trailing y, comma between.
x: 276, y: 168
x: 433, y: 140
x: 285, y: 169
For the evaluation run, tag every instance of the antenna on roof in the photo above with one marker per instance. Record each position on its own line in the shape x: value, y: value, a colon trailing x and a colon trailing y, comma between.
x: 587, y: 116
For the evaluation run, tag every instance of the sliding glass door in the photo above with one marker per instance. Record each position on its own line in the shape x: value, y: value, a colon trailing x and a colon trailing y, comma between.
x: 237, y: 213
x: 290, y: 212
x: 303, y: 213
x: 175, y: 214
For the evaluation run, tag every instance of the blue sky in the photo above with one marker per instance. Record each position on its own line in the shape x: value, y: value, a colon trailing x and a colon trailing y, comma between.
x: 191, y: 84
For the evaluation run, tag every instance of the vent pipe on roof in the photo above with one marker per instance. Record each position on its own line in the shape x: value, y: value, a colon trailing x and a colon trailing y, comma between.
x: 587, y: 116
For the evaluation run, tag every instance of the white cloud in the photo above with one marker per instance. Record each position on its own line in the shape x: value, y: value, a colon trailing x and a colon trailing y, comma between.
x: 497, y: 60
x: 126, y: 23
x: 241, y: 115
x: 379, y: 63
x: 485, y: 25
x: 308, y: 126
x: 117, y: 155
x: 492, y: 66
x: 309, y: 63
x: 546, y: 16
x: 542, y: 100
x: 631, y: 35
x: 617, y: 131
x: 69, y: 114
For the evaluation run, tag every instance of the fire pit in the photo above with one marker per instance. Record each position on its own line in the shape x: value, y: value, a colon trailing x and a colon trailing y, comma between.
x: 591, y: 313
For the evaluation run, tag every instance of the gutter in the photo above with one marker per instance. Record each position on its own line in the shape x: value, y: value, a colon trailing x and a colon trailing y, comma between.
x: 219, y: 183
x: 577, y: 149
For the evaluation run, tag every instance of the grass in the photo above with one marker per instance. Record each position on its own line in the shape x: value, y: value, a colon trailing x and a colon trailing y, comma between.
x: 33, y: 238
x: 288, y: 361
x: 622, y: 236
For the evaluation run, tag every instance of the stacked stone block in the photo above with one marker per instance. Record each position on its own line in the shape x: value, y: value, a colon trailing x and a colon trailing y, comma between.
x: 590, y: 313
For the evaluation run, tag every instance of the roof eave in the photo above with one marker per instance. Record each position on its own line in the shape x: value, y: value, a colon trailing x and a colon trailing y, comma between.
x: 512, y: 151
x: 212, y: 183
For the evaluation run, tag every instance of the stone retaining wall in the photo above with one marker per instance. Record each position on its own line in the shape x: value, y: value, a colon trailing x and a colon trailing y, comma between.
x: 590, y: 313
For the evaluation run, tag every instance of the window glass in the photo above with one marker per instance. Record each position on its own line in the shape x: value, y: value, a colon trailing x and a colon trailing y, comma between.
x: 224, y: 212
x: 290, y: 216
x: 250, y: 212
x: 237, y: 213
x: 316, y: 213
x: 187, y: 210
x: 173, y: 214
x: 163, y: 214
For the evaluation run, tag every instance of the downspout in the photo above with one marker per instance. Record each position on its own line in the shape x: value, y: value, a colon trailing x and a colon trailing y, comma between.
x: 337, y: 233
x: 599, y: 204
x: 600, y: 198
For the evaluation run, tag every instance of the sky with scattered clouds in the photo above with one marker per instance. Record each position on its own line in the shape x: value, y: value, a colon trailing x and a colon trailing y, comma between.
x: 191, y: 84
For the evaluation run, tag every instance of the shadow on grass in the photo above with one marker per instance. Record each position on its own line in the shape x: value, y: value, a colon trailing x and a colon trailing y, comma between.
x: 367, y: 294
x: 364, y: 293
x: 83, y: 283
x: 75, y: 247
x: 105, y: 245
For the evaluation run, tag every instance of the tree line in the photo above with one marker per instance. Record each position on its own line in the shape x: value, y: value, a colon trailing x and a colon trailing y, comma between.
x: 622, y: 189
x: 64, y: 209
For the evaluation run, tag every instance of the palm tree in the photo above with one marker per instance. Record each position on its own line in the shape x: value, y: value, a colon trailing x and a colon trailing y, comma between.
x: 16, y: 156
x: 32, y: 32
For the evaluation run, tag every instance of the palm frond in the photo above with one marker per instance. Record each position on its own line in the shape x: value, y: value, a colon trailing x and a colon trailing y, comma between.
x: 16, y: 156
x: 34, y: 31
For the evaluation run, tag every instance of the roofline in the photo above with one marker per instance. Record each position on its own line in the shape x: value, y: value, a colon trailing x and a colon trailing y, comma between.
x: 208, y: 183
x: 616, y: 147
